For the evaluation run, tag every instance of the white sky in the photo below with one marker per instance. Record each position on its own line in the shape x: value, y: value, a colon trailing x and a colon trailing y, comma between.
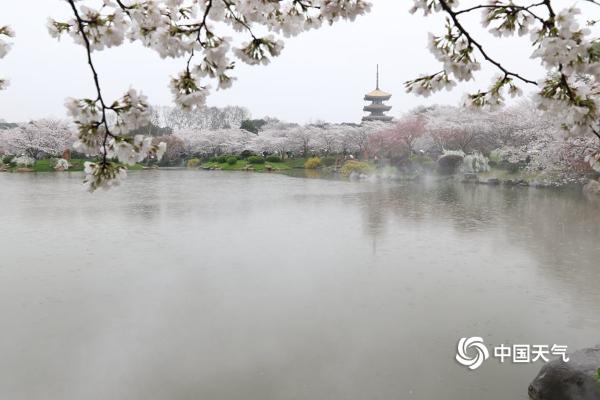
x: 321, y: 75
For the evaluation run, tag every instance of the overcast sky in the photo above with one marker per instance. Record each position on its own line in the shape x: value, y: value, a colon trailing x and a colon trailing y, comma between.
x: 321, y: 75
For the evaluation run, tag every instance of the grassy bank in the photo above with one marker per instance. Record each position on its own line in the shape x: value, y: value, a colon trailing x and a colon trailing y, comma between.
x: 47, y: 165
x: 243, y: 165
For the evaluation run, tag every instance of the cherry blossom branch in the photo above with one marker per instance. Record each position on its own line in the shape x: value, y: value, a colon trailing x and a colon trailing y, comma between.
x: 172, y: 30
x: 238, y: 19
x: 4, y: 49
x: 90, y: 62
x: 479, y: 47
x: 513, y: 7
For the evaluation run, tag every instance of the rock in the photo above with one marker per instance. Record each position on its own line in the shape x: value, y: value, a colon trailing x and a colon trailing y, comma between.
x: 23, y: 169
x: 449, y: 163
x: 492, y: 181
x: 509, y: 182
x: 573, y: 380
x: 592, y: 188
x: 522, y: 182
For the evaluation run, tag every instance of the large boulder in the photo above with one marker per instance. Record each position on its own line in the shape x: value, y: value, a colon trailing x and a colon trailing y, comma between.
x: 576, y: 379
x: 449, y: 162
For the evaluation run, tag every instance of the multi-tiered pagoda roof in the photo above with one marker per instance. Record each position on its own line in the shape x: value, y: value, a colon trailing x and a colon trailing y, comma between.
x: 377, y: 108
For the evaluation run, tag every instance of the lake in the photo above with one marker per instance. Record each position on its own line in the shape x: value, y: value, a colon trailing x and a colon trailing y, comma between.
x: 216, y: 285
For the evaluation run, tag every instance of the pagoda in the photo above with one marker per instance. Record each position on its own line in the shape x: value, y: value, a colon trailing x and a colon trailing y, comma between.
x: 377, y: 109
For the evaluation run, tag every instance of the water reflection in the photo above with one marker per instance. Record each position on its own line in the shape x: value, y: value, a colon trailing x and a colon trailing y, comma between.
x: 193, y: 284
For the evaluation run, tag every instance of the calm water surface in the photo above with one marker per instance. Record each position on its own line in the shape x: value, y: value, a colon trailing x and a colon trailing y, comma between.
x: 216, y: 285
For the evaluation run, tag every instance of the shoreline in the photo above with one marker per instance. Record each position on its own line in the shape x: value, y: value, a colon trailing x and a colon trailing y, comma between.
x: 495, y: 177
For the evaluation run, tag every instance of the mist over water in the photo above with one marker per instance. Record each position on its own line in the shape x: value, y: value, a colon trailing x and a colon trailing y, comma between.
x: 216, y: 285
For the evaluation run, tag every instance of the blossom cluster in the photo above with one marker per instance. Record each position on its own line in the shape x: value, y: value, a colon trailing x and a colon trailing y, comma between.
x: 104, y: 131
x: 185, y: 28
x: 177, y: 28
x: 561, y: 40
x: 5, y: 32
x: 282, y: 138
x: 38, y: 138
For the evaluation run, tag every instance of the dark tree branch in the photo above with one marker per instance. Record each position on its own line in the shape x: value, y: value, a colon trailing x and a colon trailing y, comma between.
x: 479, y: 47
x: 511, y: 7
x: 103, y: 121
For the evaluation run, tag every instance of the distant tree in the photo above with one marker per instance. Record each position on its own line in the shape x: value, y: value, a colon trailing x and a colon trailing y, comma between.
x: 7, y: 125
x: 360, y: 136
x: 215, y: 142
x: 253, y: 125
x: 560, y: 37
x: 201, y: 118
x: 40, y: 138
x: 197, y: 31
x: 175, y: 148
x: 454, y: 128
x: 398, y: 140
x: 304, y: 138
x: 152, y: 130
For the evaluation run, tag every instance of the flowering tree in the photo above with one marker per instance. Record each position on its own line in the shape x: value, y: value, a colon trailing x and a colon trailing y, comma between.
x: 399, y: 139
x: 305, y: 139
x: 5, y: 32
x: 201, y: 118
x: 561, y: 41
x: 360, y: 136
x: 39, y: 138
x: 173, y: 28
x: 277, y: 138
x: 214, y: 142
x: 176, y: 148
x: 453, y: 128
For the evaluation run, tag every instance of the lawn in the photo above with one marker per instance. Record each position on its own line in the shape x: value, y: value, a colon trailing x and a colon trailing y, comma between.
x: 241, y: 165
x: 47, y: 165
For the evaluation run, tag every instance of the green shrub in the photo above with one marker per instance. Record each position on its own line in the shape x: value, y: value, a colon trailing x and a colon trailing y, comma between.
x: 495, y: 157
x: 328, y: 161
x: 312, y: 163
x: 232, y: 160
x: 76, y: 164
x: 246, y: 153
x: 256, y: 160
x: 423, y: 161
x: 222, y: 159
x: 193, y: 162
x: 273, y: 158
x: 7, y: 159
x: 351, y: 166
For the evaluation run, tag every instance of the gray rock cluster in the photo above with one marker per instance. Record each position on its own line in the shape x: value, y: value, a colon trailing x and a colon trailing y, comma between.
x: 576, y: 379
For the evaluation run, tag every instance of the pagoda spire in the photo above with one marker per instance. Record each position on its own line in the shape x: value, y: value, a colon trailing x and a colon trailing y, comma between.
x: 377, y: 108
